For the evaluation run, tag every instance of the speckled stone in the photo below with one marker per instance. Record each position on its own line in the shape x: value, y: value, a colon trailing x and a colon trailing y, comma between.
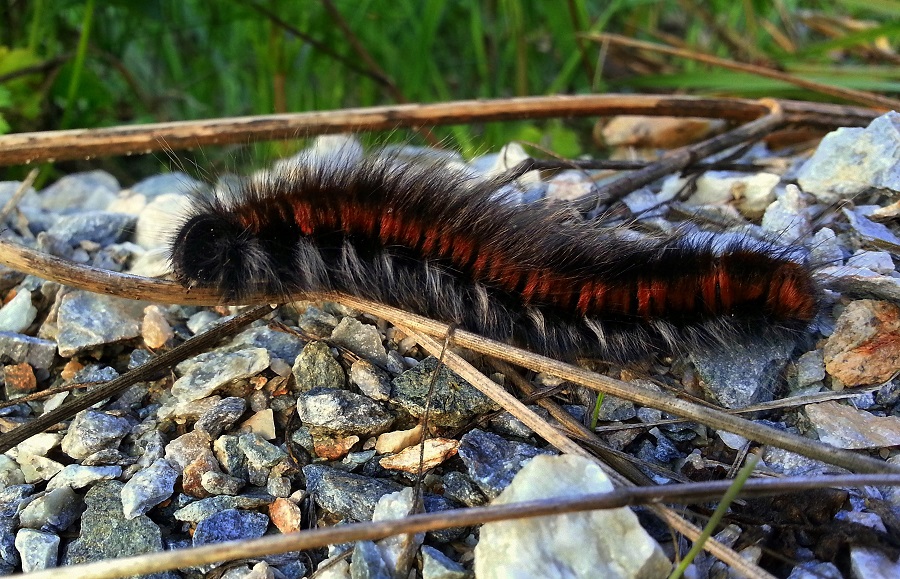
x: 346, y: 494
x: 148, y: 487
x: 493, y: 461
x: 205, y: 508
x: 361, y: 339
x: 371, y: 380
x: 453, y: 403
x: 19, y: 348
x: 38, y: 549
x: 230, y: 525
x: 221, y: 416
x: 342, y: 413
x: 315, y: 367
x: 87, y: 320
x: 91, y: 431
x: 55, y: 510
x: 76, y: 476
x: 107, y: 534
x: 203, y: 374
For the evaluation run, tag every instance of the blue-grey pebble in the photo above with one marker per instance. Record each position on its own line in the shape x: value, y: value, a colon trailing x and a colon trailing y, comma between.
x: 92, y: 431
x: 493, y: 461
x: 100, y: 227
x: 367, y: 562
x: 221, y: 416
x: 230, y: 525
x: 19, y: 348
x: 148, y: 487
x: 38, y: 549
x: 87, y: 320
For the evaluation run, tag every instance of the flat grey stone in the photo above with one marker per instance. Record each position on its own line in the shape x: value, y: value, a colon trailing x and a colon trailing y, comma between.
x: 19, y: 348
x: 342, y: 412
x: 148, y: 487
x: 38, y: 549
x: 87, y: 320
x: 92, y: 431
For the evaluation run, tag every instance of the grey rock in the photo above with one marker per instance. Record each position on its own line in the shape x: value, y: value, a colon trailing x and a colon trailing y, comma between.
x: 19, y: 348
x: 230, y: 456
x: 107, y: 534
x: 54, y: 511
x: 175, y: 182
x: 342, y: 412
x: 315, y: 367
x: 259, y: 452
x: 218, y: 483
x: 230, y: 525
x: 816, y: 570
x: 10, y: 473
x: 810, y: 368
x: 460, y: 488
x: 221, y: 416
x: 875, y: 233
x: 18, y: 313
x: 203, y: 374
x: 317, y: 323
x: 825, y: 249
x: 860, y: 282
x: 877, y: 261
x: 436, y: 565
x: 742, y: 374
x: 9, y: 555
x: 95, y: 373
x: 493, y: 461
x: 100, y: 227
x: 205, y: 508
x: 279, y: 486
x: 348, y: 495
x: 367, y: 562
x: 91, y: 431
x: 159, y: 220
x: 13, y: 497
x: 76, y: 476
x: 453, y: 403
x: 616, y: 409
x: 850, y: 161
x: 371, y: 380
x: 279, y: 344
x: 202, y: 320
x: 361, y: 339
x: 38, y: 549
x: 91, y: 190
x: 87, y: 320
x: 148, y: 487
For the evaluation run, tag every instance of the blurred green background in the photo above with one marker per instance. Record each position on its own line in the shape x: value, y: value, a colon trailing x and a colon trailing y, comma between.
x: 79, y: 64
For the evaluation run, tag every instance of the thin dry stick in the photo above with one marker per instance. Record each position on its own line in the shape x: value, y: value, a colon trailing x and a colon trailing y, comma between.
x: 22, y: 148
x: 136, y: 287
x: 856, y: 96
x: 565, y: 444
x: 678, y: 159
x: 315, y: 538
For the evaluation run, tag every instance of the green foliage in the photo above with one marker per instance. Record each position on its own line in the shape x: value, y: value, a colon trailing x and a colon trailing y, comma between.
x: 121, y: 61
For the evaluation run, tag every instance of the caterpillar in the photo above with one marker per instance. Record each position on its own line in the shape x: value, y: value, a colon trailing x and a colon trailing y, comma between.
x: 440, y: 243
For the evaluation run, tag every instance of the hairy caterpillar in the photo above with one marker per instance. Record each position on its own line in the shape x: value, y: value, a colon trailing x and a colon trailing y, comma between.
x: 439, y: 243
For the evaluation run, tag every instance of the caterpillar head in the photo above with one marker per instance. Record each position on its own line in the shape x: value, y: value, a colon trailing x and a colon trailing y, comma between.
x: 213, y: 251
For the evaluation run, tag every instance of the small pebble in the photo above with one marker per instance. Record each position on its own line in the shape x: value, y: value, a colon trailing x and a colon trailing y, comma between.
x: 38, y: 549
x: 149, y: 487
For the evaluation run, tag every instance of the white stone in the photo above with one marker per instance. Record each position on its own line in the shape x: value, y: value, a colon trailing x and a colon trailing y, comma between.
x: 558, y: 545
x: 18, y: 313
